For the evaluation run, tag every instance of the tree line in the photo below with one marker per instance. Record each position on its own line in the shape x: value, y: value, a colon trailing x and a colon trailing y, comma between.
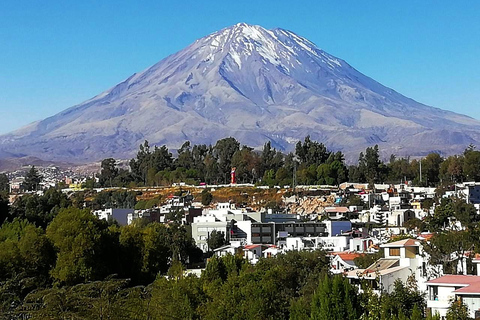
x: 292, y: 286
x: 50, y: 241
x: 311, y: 163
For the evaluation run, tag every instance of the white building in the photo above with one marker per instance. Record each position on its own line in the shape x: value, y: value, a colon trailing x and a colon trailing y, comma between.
x: 120, y: 215
x: 341, y: 262
x: 403, y: 258
x: 444, y: 290
x: 338, y: 243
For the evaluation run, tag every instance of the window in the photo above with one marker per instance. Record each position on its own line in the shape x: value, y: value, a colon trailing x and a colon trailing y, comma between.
x: 434, y: 293
x: 395, y: 252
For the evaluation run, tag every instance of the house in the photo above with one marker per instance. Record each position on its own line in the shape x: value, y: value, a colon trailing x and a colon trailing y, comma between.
x: 341, y: 262
x: 271, y: 251
x: 400, y: 216
x: 16, y: 184
x: 336, y: 213
x: 403, y: 259
x: 253, y: 252
x: 232, y: 248
x: 337, y: 243
x: 119, y: 215
x: 444, y: 290
x: 472, y: 192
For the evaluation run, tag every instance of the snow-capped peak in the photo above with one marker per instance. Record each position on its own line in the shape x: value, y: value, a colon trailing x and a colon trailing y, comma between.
x: 277, y: 46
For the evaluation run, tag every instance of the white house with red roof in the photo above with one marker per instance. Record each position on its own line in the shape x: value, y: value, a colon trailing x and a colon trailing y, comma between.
x: 444, y: 290
x: 441, y: 292
x: 342, y: 262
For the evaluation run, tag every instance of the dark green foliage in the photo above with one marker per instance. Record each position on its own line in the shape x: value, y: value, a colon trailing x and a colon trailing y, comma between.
x: 108, y: 173
x: 353, y: 200
x: 148, y: 251
x: 452, y: 208
x: 32, y: 180
x: 458, y: 311
x: 311, y: 152
x: 39, y: 210
x: 335, y: 299
x: 207, y: 197
x: 223, y: 151
x: 471, y: 164
x: 109, y: 299
x: 4, y: 183
x: 115, y: 199
x: 314, y: 164
x: 216, y: 239
x: 111, y: 176
x: 403, y: 299
x: 4, y: 207
x: 26, y: 257
x: 83, y: 246
x: 288, y: 286
x: 148, y: 163
x: 175, y: 214
x: 247, y: 164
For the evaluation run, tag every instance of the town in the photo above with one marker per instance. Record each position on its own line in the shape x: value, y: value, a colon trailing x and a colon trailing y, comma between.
x: 372, y: 234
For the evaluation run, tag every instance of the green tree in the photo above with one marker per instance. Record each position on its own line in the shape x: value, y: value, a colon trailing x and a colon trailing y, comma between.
x: 335, y: 298
x: 40, y: 209
x: 451, y: 169
x: 81, y: 243
x: 26, y: 257
x: 224, y: 150
x: 108, y: 172
x: 311, y: 152
x: 4, y: 183
x: 32, y: 180
x: 4, y: 207
x: 216, y: 239
x: 247, y: 164
x: 185, y: 157
x: 207, y: 197
x: 471, y: 164
x: 431, y: 168
x: 366, y: 260
x: 458, y: 311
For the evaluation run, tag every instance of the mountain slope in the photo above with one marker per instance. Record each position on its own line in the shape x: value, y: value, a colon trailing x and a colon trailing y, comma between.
x: 253, y: 84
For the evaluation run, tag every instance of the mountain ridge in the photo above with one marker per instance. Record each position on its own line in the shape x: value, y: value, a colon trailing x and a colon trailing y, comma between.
x: 251, y: 83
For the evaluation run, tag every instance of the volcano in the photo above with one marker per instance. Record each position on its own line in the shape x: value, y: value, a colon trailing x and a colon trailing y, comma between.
x: 253, y: 84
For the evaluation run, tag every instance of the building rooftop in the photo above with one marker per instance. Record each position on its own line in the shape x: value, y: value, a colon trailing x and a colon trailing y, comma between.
x: 347, y: 256
x: 402, y: 243
x: 455, y: 279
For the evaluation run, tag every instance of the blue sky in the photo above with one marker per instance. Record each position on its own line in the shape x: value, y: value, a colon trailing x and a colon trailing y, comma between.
x: 55, y: 54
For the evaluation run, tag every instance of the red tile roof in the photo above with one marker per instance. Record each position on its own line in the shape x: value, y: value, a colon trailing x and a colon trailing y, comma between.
x: 473, y: 288
x: 453, y: 279
x: 347, y: 256
x: 251, y: 246
x: 427, y: 236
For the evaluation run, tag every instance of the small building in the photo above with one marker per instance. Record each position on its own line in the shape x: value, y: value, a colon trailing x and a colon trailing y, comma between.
x: 403, y: 258
x: 119, y: 215
x: 444, y: 290
x: 342, y: 262
x: 472, y: 192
